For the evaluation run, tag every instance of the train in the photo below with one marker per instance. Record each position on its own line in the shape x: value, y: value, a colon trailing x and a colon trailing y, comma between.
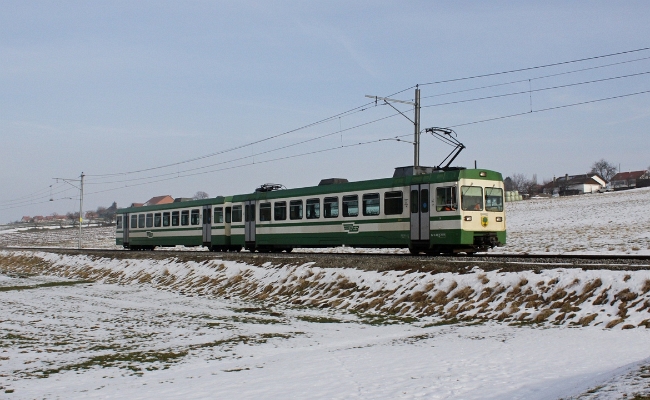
x: 426, y: 210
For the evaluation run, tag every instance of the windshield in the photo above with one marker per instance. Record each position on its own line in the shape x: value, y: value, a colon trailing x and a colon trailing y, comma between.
x: 493, y: 199
x: 471, y: 198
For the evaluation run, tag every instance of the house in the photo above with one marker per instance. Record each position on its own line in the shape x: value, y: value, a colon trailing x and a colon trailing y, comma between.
x: 137, y: 204
x: 166, y: 199
x: 26, y: 219
x: 570, y: 185
x: 38, y: 218
x: 628, y: 180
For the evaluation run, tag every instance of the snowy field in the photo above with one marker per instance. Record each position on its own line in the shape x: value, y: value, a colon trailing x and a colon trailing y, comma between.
x: 84, y: 327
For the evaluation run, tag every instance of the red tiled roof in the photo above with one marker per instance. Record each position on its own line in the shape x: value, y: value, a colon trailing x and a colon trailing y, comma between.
x: 623, y: 176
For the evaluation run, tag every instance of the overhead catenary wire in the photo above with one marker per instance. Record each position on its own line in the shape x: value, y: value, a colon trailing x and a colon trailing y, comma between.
x: 535, y: 90
x: 535, y: 78
x: 536, y: 67
x: 247, y: 156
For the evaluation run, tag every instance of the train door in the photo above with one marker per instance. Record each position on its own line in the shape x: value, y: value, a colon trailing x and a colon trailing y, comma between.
x: 125, y: 230
x: 420, y: 214
x: 249, y: 224
x: 207, y: 226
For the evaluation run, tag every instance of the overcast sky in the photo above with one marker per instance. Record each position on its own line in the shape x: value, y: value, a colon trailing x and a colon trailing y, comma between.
x: 120, y: 86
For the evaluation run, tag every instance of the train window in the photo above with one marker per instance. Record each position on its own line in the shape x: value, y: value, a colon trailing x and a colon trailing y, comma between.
x: 295, y: 209
x: 118, y: 223
x: 424, y: 200
x: 493, y: 199
x: 228, y: 215
x: 157, y: 220
x: 249, y: 213
x: 446, y: 199
x: 141, y: 220
x: 149, y: 220
x: 185, y: 217
x: 134, y: 221
x: 393, y: 203
x: 236, y: 214
x: 218, y: 215
x: 195, y: 217
x: 471, y: 198
x: 312, y: 209
x: 415, y: 200
x: 165, y: 219
x: 207, y: 216
x: 331, y: 207
x: 351, y: 206
x: 280, y: 210
x: 175, y: 218
x: 371, y: 204
x: 265, y: 212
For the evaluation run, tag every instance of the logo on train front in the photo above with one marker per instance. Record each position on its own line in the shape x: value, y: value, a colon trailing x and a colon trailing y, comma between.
x: 484, y: 220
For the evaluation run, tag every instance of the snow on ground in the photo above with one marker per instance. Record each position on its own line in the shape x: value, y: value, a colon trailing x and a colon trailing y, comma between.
x: 230, y: 330
x: 83, y: 327
x: 101, y: 340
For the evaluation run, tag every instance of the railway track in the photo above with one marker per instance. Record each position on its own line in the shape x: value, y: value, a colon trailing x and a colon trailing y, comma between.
x: 381, y: 262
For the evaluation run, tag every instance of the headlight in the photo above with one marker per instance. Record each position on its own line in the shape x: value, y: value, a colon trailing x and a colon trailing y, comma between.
x: 468, y: 218
x: 499, y: 219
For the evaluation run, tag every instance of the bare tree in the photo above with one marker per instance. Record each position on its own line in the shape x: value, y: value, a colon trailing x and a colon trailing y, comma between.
x: 73, y: 217
x: 519, y: 182
x: 604, y: 168
x: 200, y: 195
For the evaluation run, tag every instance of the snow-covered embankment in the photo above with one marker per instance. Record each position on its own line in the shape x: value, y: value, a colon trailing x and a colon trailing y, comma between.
x: 605, y: 298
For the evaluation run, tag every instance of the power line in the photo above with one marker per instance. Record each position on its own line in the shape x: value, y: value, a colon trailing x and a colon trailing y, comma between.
x: 536, y: 90
x: 537, y: 67
x: 549, y: 109
x: 248, y: 156
x: 536, y: 78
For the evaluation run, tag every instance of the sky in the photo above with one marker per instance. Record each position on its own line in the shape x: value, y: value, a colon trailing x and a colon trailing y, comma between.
x: 152, y: 97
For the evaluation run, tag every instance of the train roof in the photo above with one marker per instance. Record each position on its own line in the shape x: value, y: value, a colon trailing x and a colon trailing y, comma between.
x: 434, y: 177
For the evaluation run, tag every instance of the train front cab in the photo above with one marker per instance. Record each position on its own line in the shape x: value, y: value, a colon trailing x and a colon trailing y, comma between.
x: 466, y: 215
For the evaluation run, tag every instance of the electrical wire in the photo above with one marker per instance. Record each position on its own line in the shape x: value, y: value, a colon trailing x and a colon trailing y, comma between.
x: 536, y: 90
x: 536, y: 78
x: 549, y: 109
x: 536, y: 67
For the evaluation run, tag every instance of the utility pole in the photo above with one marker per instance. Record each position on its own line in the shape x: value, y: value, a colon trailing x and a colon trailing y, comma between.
x: 415, y: 121
x: 81, y: 206
x: 81, y: 198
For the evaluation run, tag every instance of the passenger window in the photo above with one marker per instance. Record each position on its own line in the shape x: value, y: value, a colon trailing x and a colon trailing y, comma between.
x: 351, y: 206
x: 195, y: 217
x: 312, y: 209
x: 295, y: 209
x: 471, y: 198
x: 236, y: 214
x: 118, y: 223
x: 149, y: 220
x: 393, y: 203
x: 415, y: 199
x: 134, y: 221
x: 218, y: 215
x: 165, y: 221
x: 157, y: 220
x: 280, y: 210
x: 185, y: 217
x: 371, y: 204
x: 265, y: 212
x: 175, y: 218
x: 446, y: 199
x: 331, y: 207
x: 228, y: 215
x: 141, y: 221
x: 493, y: 199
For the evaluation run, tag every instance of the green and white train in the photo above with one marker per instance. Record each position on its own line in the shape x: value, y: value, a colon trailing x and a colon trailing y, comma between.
x: 439, y: 211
